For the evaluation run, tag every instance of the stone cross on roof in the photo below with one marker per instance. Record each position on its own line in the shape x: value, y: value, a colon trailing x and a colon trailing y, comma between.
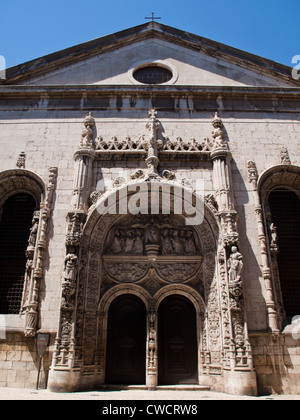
x: 152, y: 17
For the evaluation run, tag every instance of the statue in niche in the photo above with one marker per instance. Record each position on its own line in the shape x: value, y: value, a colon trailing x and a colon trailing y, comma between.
x: 274, y: 239
x: 34, y: 229
x: 116, y: 245
x: 70, y: 271
x: 167, y: 247
x: 235, y: 265
x: 189, y: 242
x: 274, y: 236
x: 177, y: 242
x: 129, y: 241
x: 138, y: 242
x: 152, y: 235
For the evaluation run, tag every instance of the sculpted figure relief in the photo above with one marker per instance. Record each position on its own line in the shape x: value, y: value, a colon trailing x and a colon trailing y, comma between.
x: 135, y: 239
x: 70, y: 271
x: 235, y: 265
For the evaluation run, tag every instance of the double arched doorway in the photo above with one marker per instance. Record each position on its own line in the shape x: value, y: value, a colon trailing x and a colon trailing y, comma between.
x: 127, y: 338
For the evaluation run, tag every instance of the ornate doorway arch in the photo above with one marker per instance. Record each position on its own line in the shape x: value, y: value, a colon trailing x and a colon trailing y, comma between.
x: 150, y: 256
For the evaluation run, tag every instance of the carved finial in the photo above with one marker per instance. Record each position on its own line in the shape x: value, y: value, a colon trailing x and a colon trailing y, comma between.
x: 284, y: 156
x: 87, y: 132
x: 218, y: 133
x: 153, y: 124
x: 216, y: 121
x: 89, y: 120
x: 21, y: 160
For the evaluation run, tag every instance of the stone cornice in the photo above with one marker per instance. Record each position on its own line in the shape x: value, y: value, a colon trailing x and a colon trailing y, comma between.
x: 143, y: 90
x: 200, y: 98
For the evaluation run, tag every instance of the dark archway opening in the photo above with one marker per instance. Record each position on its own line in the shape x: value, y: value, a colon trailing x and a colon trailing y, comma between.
x: 16, y: 221
x: 177, y: 342
x: 285, y: 209
x: 126, y: 341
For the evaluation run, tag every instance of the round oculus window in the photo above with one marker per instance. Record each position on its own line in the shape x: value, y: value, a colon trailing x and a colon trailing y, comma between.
x: 152, y: 75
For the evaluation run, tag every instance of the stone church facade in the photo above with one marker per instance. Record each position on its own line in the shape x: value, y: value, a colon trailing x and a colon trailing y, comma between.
x: 150, y: 209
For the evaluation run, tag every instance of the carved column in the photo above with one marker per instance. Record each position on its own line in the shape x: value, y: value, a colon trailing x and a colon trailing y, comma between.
x: 35, y: 252
x: 266, y: 271
x: 152, y: 369
x: 238, y: 370
x: 65, y: 369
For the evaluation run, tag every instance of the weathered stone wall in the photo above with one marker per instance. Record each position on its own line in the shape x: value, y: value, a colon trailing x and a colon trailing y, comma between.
x: 19, y: 362
x: 49, y: 138
x: 277, y: 363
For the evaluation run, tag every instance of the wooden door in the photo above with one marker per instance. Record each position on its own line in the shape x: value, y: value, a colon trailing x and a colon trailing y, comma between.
x: 126, y: 341
x: 177, y: 342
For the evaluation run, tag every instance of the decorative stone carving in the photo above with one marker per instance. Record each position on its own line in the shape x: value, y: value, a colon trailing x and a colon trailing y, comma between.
x: 21, y: 160
x: 192, y: 145
x: 273, y: 239
x: 114, y: 144
x: 138, y: 174
x: 119, y: 181
x: 75, y: 225
x: 134, y: 240
x: 94, y: 196
x: 70, y: 275
x: 252, y: 171
x: 172, y: 251
x: 266, y: 270
x: 151, y: 347
x: 87, y: 140
x: 33, y: 234
x: 218, y: 141
x: 37, y: 244
x: 152, y: 144
x: 229, y: 227
x: 235, y: 265
x: 284, y: 156
x: 168, y: 175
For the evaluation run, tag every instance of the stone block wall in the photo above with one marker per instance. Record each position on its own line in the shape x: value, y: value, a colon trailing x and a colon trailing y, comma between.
x: 19, y: 362
x: 277, y: 363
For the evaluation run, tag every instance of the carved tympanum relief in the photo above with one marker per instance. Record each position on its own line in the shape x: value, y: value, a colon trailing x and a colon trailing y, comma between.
x: 142, y: 242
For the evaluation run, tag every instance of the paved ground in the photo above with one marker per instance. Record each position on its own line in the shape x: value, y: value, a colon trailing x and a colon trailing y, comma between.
x: 130, y: 395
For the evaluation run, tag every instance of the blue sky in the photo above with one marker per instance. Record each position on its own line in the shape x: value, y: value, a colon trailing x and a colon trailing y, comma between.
x: 33, y: 28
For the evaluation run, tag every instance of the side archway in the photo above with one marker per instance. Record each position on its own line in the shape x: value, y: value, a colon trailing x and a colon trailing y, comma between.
x: 21, y: 193
x: 279, y: 189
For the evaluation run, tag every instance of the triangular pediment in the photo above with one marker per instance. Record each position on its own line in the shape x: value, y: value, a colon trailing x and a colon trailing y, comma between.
x: 111, y: 60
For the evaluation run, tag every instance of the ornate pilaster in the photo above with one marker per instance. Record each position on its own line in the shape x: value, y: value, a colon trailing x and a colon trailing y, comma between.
x: 65, y: 358
x: 236, y: 348
x: 35, y: 252
x: 266, y: 271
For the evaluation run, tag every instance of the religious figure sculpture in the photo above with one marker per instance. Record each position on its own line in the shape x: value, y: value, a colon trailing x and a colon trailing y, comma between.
x: 235, y: 265
x: 87, y: 132
x: 70, y: 271
x: 34, y: 229
x: 152, y: 235
x: 167, y: 247
x: 217, y: 133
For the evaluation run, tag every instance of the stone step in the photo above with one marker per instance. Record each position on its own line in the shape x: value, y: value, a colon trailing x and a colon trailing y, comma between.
x: 182, y: 387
